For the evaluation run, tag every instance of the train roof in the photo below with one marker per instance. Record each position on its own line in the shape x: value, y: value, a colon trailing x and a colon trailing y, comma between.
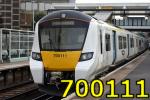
x: 111, y: 26
x: 72, y: 14
x: 67, y: 14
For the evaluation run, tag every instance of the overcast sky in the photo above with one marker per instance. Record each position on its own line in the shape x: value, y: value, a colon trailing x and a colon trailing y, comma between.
x: 112, y: 1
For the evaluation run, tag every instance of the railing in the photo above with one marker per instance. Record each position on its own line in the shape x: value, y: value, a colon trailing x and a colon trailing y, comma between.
x: 131, y: 22
x: 13, y: 77
x: 15, y: 45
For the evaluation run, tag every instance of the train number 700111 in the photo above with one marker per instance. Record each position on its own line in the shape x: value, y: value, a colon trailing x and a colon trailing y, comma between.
x: 112, y: 94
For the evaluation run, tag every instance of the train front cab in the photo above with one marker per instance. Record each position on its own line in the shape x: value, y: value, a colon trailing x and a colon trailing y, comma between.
x: 61, y: 52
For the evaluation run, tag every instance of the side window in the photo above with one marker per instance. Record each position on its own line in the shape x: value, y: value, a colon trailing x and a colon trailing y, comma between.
x: 136, y: 42
x: 120, y: 42
x: 124, y: 42
x: 107, y: 40
x: 140, y: 43
x: 131, y: 42
x: 101, y: 42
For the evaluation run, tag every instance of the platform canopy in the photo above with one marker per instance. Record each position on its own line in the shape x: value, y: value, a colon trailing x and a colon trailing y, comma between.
x: 112, y: 1
x: 104, y: 16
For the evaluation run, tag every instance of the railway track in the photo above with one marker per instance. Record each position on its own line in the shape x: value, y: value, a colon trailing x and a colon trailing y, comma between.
x: 47, y: 97
x: 13, y: 92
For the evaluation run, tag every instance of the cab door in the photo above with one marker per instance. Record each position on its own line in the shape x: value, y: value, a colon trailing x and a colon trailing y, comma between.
x: 128, y: 42
x: 104, y: 48
x: 108, y: 57
x: 114, y: 46
x: 101, y: 47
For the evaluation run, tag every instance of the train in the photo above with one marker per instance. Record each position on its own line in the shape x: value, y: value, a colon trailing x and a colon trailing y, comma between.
x: 72, y: 45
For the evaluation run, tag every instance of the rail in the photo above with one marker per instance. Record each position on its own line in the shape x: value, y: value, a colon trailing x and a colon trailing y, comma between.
x: 15, y: 76
x: 12, y: 93
x: 47, y: 97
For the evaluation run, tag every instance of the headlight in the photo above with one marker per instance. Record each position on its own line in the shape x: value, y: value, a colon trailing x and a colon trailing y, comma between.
x: 36, y: 56
x: 86, y: 56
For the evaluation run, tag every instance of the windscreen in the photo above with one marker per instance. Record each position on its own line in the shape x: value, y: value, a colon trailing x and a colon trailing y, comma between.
x: 63, y: 35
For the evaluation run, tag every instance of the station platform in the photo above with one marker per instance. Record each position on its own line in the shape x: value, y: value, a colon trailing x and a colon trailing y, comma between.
x: 6, y: 66
x: 138, y: 69
x: 140, y: 72
x: 135, y: 70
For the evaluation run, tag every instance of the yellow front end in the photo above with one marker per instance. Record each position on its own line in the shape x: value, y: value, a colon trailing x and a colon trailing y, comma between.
x: 60, y: 61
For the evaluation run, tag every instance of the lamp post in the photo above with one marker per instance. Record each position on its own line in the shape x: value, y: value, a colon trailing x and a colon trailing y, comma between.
x: 33, y: 14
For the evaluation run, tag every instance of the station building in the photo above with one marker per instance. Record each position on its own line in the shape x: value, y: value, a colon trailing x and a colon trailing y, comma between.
x: 17, y: 14
x: 9, y: 14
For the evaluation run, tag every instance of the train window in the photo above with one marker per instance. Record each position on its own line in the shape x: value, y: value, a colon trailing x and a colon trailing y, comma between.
x: 101, y: 44
x: 107, y: 39
x: 131, y: 42
x: 60, y: 35
x: 136, y: 42
x: 124, y: 42
x: 140, y: 43
x: 120, y: 42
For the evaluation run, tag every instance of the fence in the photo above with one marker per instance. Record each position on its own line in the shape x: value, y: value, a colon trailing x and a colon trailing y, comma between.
x: 15, y: 45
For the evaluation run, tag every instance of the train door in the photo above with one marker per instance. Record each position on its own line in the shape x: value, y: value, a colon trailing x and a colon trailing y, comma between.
x: 101, y: 47
x: 128, y: 40
x: 104, y: 46
x: 108, y: 48
x: 114, y: 46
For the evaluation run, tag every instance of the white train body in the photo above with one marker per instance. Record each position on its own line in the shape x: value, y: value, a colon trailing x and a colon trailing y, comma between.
x: 104, y: 46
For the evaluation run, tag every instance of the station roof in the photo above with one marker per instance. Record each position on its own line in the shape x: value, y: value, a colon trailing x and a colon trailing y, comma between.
x: 101, y: 5
x: 112, y: 1
x: 104, y: 16
x: 117, y: 8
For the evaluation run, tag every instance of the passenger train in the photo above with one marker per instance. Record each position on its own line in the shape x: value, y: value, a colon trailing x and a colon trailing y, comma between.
x: 72, y: 45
